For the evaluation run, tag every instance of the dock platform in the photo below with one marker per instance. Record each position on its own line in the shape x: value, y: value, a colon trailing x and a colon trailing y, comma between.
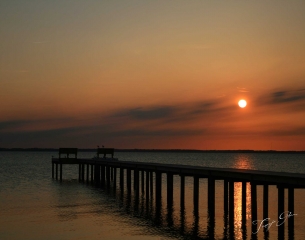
x: 148, y: 176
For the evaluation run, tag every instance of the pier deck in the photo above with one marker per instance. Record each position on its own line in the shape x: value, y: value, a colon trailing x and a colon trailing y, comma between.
x: 103, y: 171
x: 259, y: 176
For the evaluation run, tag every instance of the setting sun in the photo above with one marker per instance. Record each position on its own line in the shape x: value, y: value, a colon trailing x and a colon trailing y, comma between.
x: 242, y: 103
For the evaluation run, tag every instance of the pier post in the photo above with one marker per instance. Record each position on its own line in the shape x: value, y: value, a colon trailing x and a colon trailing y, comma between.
x: 60, y: 171
x: 231, y: 203
x: 151, y: 175
x: 108, y: 175
x: 254, y: 208
x: 196, y: 194
x: 211, y: 207
x: 182, y: 191
x: 79, y: 172
x: 52, y: 170
x: 142, y: 181
x: 103, y: 177
x: 56, y: 170
x: 129, y: 181
x: 87, y: 177
x: 92, y: 172
x: 265, y: 201
x: 111, y: 173
x: 225, y: 197
x: 83, y: 172
x: 147, y: 186
x: 291, y: 211
x: 281, y: 206
x: 158, y: 189
x: 170, y: 189
x: 114, y: 177
x: 122, y: 179
x: 97, y: 175
x: 136, y: 180
x: 211, y: 198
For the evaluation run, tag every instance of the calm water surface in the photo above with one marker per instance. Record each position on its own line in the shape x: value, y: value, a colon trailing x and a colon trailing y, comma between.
x: 34, y: 206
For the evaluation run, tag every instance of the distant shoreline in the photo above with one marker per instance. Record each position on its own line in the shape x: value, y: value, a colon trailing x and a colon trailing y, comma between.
x: 152, y: 150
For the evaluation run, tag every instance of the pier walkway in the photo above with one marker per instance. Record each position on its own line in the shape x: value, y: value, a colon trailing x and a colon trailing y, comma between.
x: 147, y: 178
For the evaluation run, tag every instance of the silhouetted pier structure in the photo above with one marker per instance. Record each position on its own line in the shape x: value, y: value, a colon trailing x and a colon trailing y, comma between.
x: 104, y: 171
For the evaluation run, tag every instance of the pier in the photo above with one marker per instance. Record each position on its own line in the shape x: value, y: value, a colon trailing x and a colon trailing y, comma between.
x: 147, y: 181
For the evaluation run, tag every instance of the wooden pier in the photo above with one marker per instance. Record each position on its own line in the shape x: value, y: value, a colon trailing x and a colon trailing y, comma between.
x: 103, y: 171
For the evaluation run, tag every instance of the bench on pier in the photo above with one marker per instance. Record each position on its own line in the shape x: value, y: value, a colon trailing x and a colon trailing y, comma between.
x: 66, y: 152
x: 105, y: 151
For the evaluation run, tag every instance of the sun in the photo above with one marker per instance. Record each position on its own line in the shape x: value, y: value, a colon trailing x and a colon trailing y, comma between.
x: 242, y: 103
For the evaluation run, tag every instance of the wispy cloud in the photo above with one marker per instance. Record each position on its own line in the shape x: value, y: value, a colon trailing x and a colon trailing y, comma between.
x: 208, y: 118
x: 288, y: 100
x: 242, y: 90
x: 287, y: 96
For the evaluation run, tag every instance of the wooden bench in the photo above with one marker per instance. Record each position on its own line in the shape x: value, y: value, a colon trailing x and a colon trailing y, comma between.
x: 67, y: 151
x: 105, y: 151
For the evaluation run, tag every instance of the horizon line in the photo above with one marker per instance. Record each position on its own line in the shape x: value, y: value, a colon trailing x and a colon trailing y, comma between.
x: 158, y: 150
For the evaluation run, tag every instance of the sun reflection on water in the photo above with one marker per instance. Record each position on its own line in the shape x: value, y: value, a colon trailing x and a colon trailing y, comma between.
x: 242, y: 161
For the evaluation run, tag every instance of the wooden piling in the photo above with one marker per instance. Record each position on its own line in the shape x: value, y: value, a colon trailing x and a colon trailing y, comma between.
x: 142, y: 182
x: 60, y: 171
x: 291, y: 212
x: 122, y: 179
x: 281, y: 213
x: 211, y: 198
x: 265, y: 201
x: 129, y: 181
x: 231, y: 203
x: 182, y: 191
x: 158, y: 188
x: 225, y: 197
x: 87, y: 173
x: 114, y: 176
x: 136, y: 180
x: 147, y: 186
x: 92, y: 171
x: 151, y: 187
x: 170, y: 189
x: 253, y: 201
x: 97, y: 175
x: 103, y: 177
x: 83, y: 172
x: 108, y: 175
x: 111, y: 173
x: 196, y: 194
x: 52, y: 170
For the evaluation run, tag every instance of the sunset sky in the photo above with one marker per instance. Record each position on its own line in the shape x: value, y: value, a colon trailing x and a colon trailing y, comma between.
x: 152, y: 74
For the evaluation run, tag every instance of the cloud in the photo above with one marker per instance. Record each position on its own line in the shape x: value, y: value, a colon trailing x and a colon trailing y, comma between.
x: 242, y: 90
x: 284, y: 96
x: 177, y: 112
x: 35, y: 124
x: 209, y: 118
x: 141, y: 113
x: 154, y: 133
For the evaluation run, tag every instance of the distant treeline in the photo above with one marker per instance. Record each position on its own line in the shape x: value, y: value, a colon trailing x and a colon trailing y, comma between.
x: 150, y: 150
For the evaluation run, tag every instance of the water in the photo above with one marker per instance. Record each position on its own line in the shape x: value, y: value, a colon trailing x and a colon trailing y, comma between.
x: 34, y: 206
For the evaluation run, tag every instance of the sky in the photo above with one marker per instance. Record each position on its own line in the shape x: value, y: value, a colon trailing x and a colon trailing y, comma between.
x: 152, y: 74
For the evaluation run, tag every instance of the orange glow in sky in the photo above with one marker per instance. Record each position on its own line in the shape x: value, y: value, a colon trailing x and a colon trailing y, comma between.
x: 137, y: 74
